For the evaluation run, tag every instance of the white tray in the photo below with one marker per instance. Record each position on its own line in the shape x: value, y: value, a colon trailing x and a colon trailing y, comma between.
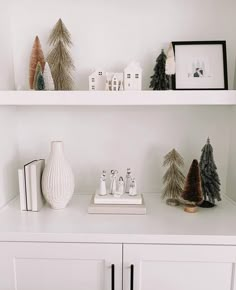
x: 123, y: 199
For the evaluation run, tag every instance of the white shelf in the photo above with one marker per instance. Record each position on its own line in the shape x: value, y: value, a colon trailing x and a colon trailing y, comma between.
x: 124, y: 98
x: 162, y: 224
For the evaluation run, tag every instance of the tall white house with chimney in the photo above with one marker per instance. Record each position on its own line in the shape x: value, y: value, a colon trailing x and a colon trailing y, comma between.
x: 133, y: 77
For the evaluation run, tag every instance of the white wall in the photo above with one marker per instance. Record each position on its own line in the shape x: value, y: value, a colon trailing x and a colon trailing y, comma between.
x: 6, y: 60
x: 111, y: 33
x: 231, y: 178
x: 8, y: 155
x: 120, y: 137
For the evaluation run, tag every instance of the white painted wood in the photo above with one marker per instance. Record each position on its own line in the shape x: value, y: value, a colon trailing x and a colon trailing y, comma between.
x: 43, y: 266
x: 120, y: 98
x: 179, y: 267
x: 162, y: 224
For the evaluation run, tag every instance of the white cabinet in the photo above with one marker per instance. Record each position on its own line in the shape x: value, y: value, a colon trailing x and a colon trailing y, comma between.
x: 87, y: 266
x: 60, y: 266
x: 179, y: 267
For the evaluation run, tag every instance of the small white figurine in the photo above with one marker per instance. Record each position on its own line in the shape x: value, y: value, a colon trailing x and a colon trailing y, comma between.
x: 113, y: 178
x: 128, y: 180
x: 133, y: 187
x: 121, y: 186
x: 102, y: 187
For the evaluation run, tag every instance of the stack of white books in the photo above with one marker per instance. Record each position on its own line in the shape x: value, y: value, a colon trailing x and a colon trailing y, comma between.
x: 112, y: 204
x: 30, y: 176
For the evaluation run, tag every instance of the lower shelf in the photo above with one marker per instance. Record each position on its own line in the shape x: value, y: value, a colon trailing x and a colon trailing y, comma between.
x: 161, y: 224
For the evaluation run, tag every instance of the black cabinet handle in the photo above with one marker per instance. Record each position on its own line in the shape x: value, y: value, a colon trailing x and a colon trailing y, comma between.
x: 132, y: 277
x: 112, y: 277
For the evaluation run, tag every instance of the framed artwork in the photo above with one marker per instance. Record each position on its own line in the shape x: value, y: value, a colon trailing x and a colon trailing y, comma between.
x: 200, y: 65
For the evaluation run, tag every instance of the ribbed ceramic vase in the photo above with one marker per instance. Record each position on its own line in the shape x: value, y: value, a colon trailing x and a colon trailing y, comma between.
x: 58, y: 179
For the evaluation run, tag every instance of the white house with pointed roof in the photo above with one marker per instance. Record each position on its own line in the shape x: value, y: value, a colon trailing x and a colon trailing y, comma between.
x: 97, y: 80
x: 133, y: 77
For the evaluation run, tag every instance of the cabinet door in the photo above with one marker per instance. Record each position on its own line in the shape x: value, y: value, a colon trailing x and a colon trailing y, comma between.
x: 60, y: 266
x: 167, y: 267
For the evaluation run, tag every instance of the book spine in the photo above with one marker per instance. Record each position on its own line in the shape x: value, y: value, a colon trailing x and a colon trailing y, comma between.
x: 21, y: 178
x: 33, y: 181
x: 28, y: 187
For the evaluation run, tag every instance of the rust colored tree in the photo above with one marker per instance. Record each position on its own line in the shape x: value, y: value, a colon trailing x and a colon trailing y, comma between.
x: 36, y: 56
x: 192, y: 188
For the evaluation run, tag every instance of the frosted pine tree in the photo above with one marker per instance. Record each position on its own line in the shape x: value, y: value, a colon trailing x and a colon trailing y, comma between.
x: 48, y: 80
x: 170, y: 64
x: 173, y: 179
x: 209, y: 176
x: 159, y: 81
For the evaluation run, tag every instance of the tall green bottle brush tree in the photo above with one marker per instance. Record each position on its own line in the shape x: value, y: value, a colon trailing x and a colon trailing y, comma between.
x: 209, y: 176
x: 159, y: 80
x: 59, y: 58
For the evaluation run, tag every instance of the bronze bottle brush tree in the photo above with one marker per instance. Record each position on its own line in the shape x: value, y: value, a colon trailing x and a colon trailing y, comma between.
x: 192, y: 192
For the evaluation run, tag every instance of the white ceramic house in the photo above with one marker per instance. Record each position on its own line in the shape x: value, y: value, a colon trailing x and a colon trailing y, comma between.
x: 114, y: 81
x: 97, y: 80
x: 129, y: 80
x: 133, y: 77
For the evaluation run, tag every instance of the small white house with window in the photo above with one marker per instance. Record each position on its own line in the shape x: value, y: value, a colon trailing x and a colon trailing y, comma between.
x: 97, y: 80
x: 133, y: 77
x: 114, y: 82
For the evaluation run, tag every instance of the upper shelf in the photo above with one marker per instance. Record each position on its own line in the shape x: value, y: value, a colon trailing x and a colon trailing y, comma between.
x: 121, y: 98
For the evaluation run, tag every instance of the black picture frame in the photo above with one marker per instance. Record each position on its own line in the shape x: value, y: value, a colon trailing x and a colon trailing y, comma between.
x: 208, y: 53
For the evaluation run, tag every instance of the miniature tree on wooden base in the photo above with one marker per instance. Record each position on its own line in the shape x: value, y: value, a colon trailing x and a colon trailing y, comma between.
x: 173, y: 178
x: 59, y: 58
x: 209, y: 177
x: 192, y: 189
x: 159, y: 81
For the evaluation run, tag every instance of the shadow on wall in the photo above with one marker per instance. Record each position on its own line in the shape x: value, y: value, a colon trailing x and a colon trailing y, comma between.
x: 9, y: 183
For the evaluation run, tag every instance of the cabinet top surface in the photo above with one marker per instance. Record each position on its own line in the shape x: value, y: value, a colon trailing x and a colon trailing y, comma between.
x: 123, y: 98
x: 161, y: 224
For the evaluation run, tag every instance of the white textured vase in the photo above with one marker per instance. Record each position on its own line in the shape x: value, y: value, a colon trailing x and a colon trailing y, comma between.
x: 58, y: 179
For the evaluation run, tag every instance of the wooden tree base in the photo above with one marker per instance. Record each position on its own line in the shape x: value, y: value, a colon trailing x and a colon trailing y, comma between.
x: 190, y: 208
x: 172, y: 202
